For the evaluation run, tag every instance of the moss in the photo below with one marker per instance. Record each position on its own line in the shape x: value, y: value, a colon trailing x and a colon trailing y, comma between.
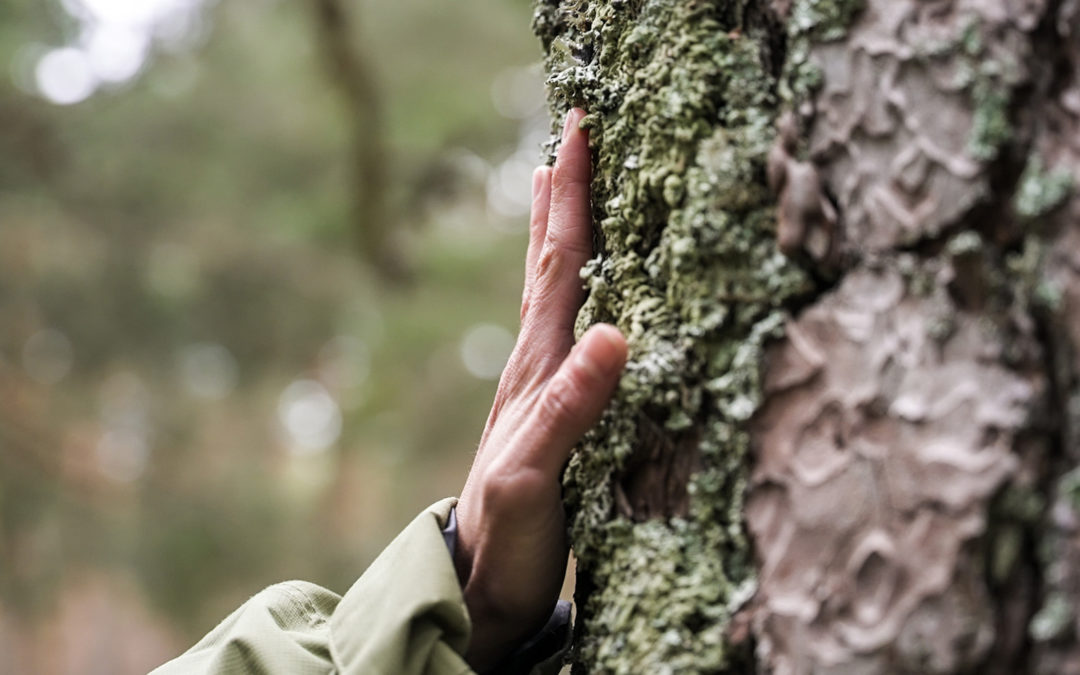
x: 1041, y: 191
x: 681, y: 116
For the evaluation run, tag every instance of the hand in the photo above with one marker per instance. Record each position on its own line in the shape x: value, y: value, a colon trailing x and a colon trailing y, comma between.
x: 512, y: 549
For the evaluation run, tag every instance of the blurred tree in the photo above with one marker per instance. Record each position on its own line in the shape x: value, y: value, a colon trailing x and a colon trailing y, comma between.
x: 373, y: 224
x: 848, y: 435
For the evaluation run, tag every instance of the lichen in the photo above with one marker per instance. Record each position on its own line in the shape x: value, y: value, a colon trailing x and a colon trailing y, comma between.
x: 810, y: 22
x: 1069, y: 489
x: 991, y: 126
x: 824, y: 20
x: 681, y: 114
x: 1055, y: 617
x: 1015, y: 511
x: 990, y: 86
x: 1041, y: 191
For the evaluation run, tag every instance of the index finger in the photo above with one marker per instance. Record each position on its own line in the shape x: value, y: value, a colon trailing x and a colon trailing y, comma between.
x: 538, y: 220
x: 557, y: 289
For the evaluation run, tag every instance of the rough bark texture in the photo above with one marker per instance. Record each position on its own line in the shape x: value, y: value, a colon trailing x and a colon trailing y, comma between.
x: 844, y: 241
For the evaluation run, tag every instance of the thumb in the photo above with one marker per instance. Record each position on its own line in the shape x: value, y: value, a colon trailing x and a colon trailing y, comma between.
x: 575, y: 397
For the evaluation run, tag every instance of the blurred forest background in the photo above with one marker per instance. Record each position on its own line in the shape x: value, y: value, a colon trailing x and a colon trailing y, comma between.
x: 260, y: 266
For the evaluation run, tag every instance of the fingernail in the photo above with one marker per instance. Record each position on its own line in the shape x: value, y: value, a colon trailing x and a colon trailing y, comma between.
x: 572, y: 120
x: 612, y: 336
x: 602, y: 361
x: 538, y: 181
x: 616, y: 345
x: 587, y: 363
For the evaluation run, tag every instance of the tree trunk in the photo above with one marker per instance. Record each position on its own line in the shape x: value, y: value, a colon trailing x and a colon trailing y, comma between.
x: 844, y: 242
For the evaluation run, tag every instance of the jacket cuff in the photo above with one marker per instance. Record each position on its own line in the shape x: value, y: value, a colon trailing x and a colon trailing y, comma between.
x: 544, y: 650
x: 405, y: 614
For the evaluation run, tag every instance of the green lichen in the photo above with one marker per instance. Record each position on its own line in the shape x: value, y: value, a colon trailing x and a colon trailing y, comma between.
x: 990, y: 83
x: 1014, y: 511
x: 811, y: 22
x: 681, y: 115
x: 1025, y: 269
x: 1008, y: 543
x: 1041, y: 191
x: 986, y: 80
x: 1053, y: 620
x: 971, y: 40
x: 1069, y: 489
x: 990, y: 127
x: 823, y: 20
x: 964, y: 244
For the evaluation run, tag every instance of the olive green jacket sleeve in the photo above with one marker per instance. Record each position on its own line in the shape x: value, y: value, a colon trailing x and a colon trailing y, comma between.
x: 404, y: 616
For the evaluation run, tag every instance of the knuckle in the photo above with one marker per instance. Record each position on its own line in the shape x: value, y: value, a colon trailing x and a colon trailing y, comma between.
x: 518, y: 385
x: 559, y: 402
x: 561, y: 243
x: 567, y: 178
x: 548, y: 263
x: 506, y: 488
x: 571, y: 240
x: 525, y: 303
x: 537, y: 222
x: 510, y: 380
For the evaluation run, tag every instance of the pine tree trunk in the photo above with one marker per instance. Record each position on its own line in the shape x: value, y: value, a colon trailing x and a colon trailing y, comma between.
x: 844, y: 242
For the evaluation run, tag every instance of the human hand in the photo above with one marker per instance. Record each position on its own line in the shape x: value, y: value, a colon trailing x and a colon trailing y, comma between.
x: 512, y: 550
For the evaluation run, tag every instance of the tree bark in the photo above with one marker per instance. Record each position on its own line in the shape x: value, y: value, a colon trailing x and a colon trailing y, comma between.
x: 843, y: 240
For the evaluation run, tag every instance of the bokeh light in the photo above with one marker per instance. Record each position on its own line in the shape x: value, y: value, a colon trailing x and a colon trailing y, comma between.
x: 484, y: 350
x: 113, y: 44
x: 116, y: 52
x: 123, y: 451
x: 65, y: 76
x: 309, y: 416
x: 518, y: 92
x: 123, y: 454
x: 208, y: 370
x: 508, y: 188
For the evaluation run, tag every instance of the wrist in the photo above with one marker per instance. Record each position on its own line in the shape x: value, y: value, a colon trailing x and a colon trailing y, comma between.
x: 493, y: 635
x: 496, y: 630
